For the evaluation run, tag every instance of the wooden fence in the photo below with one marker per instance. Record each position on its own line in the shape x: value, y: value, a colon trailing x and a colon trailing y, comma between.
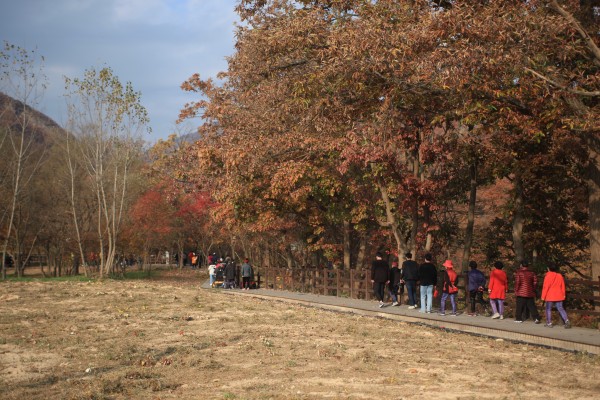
x: 582, y: 293
x: 356, y: 284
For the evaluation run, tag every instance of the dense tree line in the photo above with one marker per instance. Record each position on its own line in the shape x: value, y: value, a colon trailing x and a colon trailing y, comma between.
x: 340, y: 125
x: 340, y: 128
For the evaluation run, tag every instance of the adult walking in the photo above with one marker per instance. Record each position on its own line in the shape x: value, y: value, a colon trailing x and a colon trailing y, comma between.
x: 449, y: 288
x: 380, y: 276
x: 525, y: 284
x: 497, y: 289
x: 476, y: 287
x: 554, y: 293
x: 229, y: 273
x: 427, y: 280
x: 394, y: 284
x: 247, y: 274
x: 410, y: 276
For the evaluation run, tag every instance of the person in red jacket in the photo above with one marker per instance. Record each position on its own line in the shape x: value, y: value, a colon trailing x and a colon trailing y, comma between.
x: 554, y: 293
x: 449, y: 288
x: 525, y: 284
x: 497, y: 289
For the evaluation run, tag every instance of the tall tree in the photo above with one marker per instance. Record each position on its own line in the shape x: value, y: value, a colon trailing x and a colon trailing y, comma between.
x: 108, y: 119
x: 578, y: 80
x: 22, y: 77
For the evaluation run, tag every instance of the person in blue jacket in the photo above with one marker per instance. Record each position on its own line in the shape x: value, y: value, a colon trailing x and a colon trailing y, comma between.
x: 476, y: 288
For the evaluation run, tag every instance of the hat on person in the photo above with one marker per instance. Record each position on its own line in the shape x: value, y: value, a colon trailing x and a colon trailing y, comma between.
x: 448, y: 264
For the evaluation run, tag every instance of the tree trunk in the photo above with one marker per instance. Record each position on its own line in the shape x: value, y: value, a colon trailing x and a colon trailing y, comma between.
x: 289, y: 258
x: 517, y: 223
x: 593, y: 179
x: 391, y: 222
x: 362, y: 251
x: 470, y: 216
x: 427, y: 223
x: 180, y: 252
x: 74, y: 208
x: 346, y: 229
x: 412, y: 245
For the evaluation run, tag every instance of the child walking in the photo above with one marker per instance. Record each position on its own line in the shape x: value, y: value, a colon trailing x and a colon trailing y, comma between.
x: 497, y: 289
x: 554, y: 293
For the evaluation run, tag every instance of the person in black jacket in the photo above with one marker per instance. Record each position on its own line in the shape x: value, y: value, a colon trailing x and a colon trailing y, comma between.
x: 410, y: 276
x: 230, y: 273
x: 427, y: 280
x: 380, y: 276
x: 394, y: 284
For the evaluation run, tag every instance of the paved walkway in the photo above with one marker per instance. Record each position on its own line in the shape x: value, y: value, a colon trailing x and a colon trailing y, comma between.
x: 575, y: 339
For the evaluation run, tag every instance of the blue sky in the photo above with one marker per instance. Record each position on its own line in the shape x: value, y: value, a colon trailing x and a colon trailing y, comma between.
x: 154, y: 44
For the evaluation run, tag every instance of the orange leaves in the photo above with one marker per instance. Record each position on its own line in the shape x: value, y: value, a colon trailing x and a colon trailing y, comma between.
x: 320, y: 102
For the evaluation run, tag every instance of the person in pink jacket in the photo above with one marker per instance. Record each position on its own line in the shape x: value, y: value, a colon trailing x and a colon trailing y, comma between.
x: 497, y: 288
x: 554, y: 293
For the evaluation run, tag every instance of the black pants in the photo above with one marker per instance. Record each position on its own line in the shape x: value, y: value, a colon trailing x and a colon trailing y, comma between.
x: 246, y: 282
x: 379, y: 290
x: 476, y: 297
x: 523, y: 304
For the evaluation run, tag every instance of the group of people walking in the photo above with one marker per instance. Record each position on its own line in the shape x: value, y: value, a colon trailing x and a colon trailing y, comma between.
x: 409, y: 274
x: 227, y: 272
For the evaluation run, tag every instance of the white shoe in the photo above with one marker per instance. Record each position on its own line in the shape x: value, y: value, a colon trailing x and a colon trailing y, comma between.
x: 496, y: 316
x: 412, y: 307
x: 502, y: 317
x: 380, y: 304
x: 395, y: 303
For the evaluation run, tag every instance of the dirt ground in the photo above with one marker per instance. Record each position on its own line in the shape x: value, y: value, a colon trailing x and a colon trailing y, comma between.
x: 168, y: 339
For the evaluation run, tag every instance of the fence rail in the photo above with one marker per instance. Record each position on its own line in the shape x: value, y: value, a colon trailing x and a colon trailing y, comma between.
x: 582, y: 294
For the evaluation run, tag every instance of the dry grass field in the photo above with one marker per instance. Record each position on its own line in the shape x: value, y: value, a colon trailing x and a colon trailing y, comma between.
x: 166, y: 338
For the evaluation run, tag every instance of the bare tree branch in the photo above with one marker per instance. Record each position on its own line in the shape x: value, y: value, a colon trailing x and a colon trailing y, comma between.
x: 564, y: 87
x: 591, y: 45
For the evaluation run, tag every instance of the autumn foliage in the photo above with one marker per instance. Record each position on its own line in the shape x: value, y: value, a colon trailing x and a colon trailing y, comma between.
x: 351, y: 126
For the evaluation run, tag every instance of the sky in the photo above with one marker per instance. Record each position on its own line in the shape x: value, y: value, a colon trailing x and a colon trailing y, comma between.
x: 154, y: 44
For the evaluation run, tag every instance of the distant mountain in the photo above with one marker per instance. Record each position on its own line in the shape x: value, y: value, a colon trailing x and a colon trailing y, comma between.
x: 191, y: 137
x: 38, y: 124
